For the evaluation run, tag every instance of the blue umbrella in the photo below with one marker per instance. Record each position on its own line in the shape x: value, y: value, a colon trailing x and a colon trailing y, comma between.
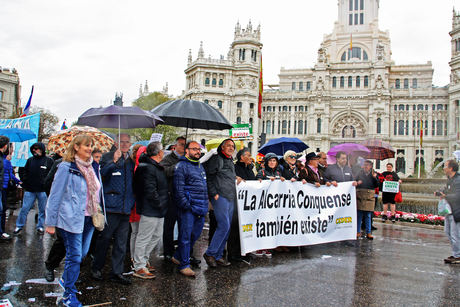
x: 18, y: 135
x: 281, y: 145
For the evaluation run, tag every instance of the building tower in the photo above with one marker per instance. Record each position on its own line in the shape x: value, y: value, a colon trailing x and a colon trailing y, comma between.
x: 231, y: 85
x: 454, y: 87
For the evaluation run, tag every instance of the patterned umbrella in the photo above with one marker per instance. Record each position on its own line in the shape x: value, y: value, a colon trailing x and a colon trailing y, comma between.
x: 380, y: 150
x: 59, y: 141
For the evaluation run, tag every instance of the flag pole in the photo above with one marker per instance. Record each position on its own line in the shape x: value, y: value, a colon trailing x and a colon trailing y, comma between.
x: 419, y: 158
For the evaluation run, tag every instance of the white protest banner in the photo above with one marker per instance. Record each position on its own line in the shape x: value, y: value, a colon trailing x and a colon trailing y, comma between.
x: 275, y: 213
x: 21, y: 150
x: 390, y: 186
x: 156, y: 137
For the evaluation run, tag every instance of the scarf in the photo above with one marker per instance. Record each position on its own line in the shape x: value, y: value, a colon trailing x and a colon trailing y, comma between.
x: 87, y: 170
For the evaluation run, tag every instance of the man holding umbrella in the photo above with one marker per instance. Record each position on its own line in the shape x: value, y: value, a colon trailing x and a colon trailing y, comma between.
x: 117, y: 170
x: 339, y: 172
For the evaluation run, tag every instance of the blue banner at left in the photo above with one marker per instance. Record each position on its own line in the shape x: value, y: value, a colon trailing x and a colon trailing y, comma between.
x: 21, y: 150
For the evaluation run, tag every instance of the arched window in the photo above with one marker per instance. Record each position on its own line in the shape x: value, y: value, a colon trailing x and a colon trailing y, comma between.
x: 284, y: 127
x: 355, y: 53
x: 334, y: 82
x: 401, y: 127
x: 420, y: 107
x: 395, y: 127
x: 366, y: 81
x: 350, y: 81
x: 379, y: 125
x: 251, y: 106
x: 401, y: 107
x: 318, y: 125
x: 414, y: 83
x: 269, y: 127
x: 358, y: 81
x: 439, y: 107
x: 308, y: 85
x: 300, y: 127
x: 221, y: 82
x: 238, y: 120
x: 293, y: 86
x: 285, y: 108
x: 300, y: 86
x: 439, y: 127
x: 406, y: 83
x: 349, y: 132
x: 206, y: 81
x: 342, y: 82
x: 219, y: 104
x: 397, y: 83
x: 206, y: 101
x: 239, y: 104
x: 300, y: 108
x: 214, y: 81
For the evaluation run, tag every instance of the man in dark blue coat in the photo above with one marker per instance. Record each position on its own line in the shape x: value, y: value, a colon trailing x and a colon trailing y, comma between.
x: 339, y: 172
x: 117, y: 170
x: 191, y: 193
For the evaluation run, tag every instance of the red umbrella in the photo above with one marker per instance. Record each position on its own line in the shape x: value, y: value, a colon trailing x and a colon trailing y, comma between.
x: 380, y: 150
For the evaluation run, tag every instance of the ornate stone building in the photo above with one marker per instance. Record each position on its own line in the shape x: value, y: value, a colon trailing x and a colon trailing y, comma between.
x: 230, y: 84
x: 9, y: 92
x: 353, y: 92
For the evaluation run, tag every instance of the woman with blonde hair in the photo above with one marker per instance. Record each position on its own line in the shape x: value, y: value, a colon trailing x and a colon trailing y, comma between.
x: 74, y: 199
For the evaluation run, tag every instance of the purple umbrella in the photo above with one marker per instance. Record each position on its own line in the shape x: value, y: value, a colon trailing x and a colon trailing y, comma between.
x: 348, y: 148
x: 119, y: 117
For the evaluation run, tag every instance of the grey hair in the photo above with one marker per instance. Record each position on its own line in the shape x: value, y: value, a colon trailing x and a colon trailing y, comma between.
x: 154, y: 148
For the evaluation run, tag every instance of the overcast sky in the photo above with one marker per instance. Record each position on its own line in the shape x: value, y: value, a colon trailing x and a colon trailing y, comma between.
x: 79, y: 53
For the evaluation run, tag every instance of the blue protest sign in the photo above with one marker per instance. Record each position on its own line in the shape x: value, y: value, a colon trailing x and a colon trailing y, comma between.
x: 21, y: 150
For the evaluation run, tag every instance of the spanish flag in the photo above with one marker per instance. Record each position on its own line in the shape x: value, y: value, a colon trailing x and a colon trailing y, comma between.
x: 351, y: 41
x: 261, y: 89
x: 421, y: 133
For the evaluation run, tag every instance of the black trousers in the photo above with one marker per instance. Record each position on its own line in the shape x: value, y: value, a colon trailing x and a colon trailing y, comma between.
x: 233, y: 243
x: 212, y: 225
x: 168, y: 228
x: 3, y: 217
x: 117, y: 227
x: 57, y: 253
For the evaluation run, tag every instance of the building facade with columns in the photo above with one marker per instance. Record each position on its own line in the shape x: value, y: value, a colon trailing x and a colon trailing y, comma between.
x: 9, y: 92
x: 353, y: 92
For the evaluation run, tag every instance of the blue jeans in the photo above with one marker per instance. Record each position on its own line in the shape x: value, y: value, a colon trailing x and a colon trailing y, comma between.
x: 190, y: 227
x: 73, y: 253
x: 223, y: 211
x: 1, y: 214
x: 28, y: 203
x: 367, y: 220
x: 452, y: 230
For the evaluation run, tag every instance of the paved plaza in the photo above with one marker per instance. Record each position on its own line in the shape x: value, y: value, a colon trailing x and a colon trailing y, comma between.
x: 402, y: 267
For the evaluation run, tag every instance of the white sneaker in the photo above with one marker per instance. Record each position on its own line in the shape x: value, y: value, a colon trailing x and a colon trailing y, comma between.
x: 5, y: 236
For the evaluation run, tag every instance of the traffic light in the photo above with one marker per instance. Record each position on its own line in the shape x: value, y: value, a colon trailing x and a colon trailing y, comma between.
x: 262, y: 139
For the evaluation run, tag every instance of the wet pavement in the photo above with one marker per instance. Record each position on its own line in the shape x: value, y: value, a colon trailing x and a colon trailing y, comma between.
x: 403, y: 266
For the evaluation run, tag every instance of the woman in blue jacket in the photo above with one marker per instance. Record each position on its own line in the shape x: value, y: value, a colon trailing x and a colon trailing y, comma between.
x: 74, y: 198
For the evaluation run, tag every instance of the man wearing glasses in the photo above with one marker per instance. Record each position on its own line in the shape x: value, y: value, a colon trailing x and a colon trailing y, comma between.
x: 191, y: 195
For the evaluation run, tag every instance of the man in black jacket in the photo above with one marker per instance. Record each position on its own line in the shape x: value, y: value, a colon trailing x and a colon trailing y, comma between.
x: 33, y: 176
x: 169, y: 163
x: 452, y: 222
x: 339, y: 172
x: 151, y: 192
x: 220, y: 173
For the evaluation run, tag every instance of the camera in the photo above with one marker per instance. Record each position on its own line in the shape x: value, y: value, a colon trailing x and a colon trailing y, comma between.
x: 437, y: 193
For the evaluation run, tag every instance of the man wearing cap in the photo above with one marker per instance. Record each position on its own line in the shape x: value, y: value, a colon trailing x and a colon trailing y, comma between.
x: 311, y: 172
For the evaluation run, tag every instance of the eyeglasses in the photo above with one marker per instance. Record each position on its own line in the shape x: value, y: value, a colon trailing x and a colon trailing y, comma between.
x: 195, y: 149
x: 292, y: 157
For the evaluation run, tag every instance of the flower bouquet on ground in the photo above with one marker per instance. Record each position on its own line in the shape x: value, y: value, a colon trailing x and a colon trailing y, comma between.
x: 430, y: 219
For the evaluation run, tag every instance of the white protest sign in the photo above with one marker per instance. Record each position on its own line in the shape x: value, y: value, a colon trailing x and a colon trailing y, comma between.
x: 275, y: 213
x: 156, y: 137
x: 390, y: 186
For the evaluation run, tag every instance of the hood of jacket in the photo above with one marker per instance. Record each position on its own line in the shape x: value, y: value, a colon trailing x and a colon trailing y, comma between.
x: 38, y: 145
x: 219, y: 148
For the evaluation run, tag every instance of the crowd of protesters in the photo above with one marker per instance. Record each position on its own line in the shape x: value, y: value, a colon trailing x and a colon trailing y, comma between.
x: 141, y: 194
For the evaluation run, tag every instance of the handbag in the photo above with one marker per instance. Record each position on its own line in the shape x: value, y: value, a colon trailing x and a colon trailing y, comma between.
x: 398, y: 197
x: 98, y: 220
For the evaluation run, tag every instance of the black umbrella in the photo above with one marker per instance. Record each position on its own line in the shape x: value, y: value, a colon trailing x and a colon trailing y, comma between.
x: 119, y: 117
x: 191, y: 114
